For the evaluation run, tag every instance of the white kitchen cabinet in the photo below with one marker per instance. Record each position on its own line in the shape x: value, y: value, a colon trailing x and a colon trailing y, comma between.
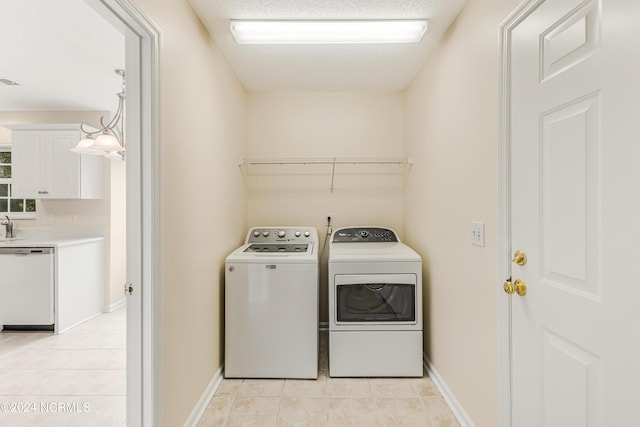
x: 79, y: 282
x: 45, y: 168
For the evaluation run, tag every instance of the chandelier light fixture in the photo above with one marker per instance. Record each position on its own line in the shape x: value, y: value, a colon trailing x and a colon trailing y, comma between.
x: 328, y: 32
x: 107, y: 141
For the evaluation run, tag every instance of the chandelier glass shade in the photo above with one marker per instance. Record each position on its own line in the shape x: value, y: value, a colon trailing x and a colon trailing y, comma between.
x: 109, y: 139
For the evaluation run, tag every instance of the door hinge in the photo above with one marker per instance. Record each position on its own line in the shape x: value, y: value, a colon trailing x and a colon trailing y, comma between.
x: 128, y: 288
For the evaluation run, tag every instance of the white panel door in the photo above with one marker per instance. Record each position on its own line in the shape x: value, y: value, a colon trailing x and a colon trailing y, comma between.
x: 575, y: 212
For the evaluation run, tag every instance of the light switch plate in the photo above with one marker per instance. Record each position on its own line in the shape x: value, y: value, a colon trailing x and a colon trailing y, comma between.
x: 477, y: 233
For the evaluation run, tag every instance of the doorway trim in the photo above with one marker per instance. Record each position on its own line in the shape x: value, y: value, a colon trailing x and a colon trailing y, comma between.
x: 143, y: 42
x: 504, y: 207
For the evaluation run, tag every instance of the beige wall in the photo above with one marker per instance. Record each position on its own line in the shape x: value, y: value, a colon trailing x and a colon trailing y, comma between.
x: 451, y: 131
x: 82, y: 217
x: 326, y: 124
x: 203, y: 130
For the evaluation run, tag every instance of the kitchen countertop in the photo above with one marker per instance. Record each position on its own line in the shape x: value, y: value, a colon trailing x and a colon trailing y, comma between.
x: 48, y: 242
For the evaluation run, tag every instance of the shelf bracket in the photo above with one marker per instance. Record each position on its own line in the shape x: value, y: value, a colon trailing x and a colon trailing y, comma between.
x: 333, y: 173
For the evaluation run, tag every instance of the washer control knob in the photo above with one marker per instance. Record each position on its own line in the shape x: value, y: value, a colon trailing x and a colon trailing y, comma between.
x: 256, y: 233
x: 307, y: 234
x: 265, y: 233
x: 364, y: 233
x: 281, y: 233
x: 297, y: 234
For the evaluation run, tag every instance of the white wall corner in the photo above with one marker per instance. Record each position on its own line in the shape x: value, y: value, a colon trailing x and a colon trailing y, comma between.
x: 456, y: 407
x: 201, y: 407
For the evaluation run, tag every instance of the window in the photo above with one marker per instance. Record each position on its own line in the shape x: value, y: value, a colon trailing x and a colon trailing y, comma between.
x: 15, y: 208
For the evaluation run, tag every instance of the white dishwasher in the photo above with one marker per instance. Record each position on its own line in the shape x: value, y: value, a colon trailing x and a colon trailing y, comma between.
x: 27, y: 289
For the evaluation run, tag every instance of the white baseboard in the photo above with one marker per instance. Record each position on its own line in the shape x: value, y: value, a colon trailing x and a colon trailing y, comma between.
x: 201, y: 407
x: 61, y: 331
x: 457, y: 409
x: 115, y: 306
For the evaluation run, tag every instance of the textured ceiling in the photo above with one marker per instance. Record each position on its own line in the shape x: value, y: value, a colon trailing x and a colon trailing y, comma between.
x: 63, y: 55
x: 326, y: 67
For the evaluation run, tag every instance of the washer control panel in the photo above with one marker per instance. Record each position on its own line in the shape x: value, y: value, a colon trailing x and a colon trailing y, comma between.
x: 364, y: 234
x: 282, y: 234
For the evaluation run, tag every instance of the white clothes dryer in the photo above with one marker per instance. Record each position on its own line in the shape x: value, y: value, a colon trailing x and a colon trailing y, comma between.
x: 375, y: 305
x: 271, y: 305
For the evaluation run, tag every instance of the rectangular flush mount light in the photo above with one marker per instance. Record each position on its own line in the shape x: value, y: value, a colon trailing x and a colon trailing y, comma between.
x: 328, y: 32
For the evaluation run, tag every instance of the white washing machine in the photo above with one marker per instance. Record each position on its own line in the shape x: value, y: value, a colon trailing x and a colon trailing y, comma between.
x: 375, y: 305
x: 271, y: 305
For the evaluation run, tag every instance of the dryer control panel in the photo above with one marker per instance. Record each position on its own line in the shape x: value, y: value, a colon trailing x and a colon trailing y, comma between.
x: 364, y: 235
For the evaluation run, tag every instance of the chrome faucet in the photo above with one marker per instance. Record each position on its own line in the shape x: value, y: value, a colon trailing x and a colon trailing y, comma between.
x: 8, y: 226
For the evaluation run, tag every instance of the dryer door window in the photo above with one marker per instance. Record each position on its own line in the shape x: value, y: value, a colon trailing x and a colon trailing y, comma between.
x: 376, y: 302
x: 373, y: 298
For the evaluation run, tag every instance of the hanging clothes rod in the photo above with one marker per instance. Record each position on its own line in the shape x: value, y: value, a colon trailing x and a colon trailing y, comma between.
x: 333, y: 161
x: 326, y: 160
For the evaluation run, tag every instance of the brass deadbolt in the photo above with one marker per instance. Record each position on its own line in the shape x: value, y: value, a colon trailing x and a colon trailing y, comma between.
x: 520, y: 258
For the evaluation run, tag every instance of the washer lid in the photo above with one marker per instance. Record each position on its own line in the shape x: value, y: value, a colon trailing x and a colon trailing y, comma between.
x: 242, y: 254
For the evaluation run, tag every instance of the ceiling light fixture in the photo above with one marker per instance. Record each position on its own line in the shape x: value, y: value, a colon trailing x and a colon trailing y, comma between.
x: 109, y: 141
x: 328, y: 32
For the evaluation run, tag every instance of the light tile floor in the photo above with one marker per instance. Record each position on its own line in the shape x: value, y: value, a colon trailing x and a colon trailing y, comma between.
x: 77, y: 378
x: 328, y: 401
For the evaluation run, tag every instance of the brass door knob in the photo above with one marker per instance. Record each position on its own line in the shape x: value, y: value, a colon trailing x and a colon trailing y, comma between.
x: 520, y: 258
x: 518, y: 287
x: 509, y: 287
x: 521, y: 287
